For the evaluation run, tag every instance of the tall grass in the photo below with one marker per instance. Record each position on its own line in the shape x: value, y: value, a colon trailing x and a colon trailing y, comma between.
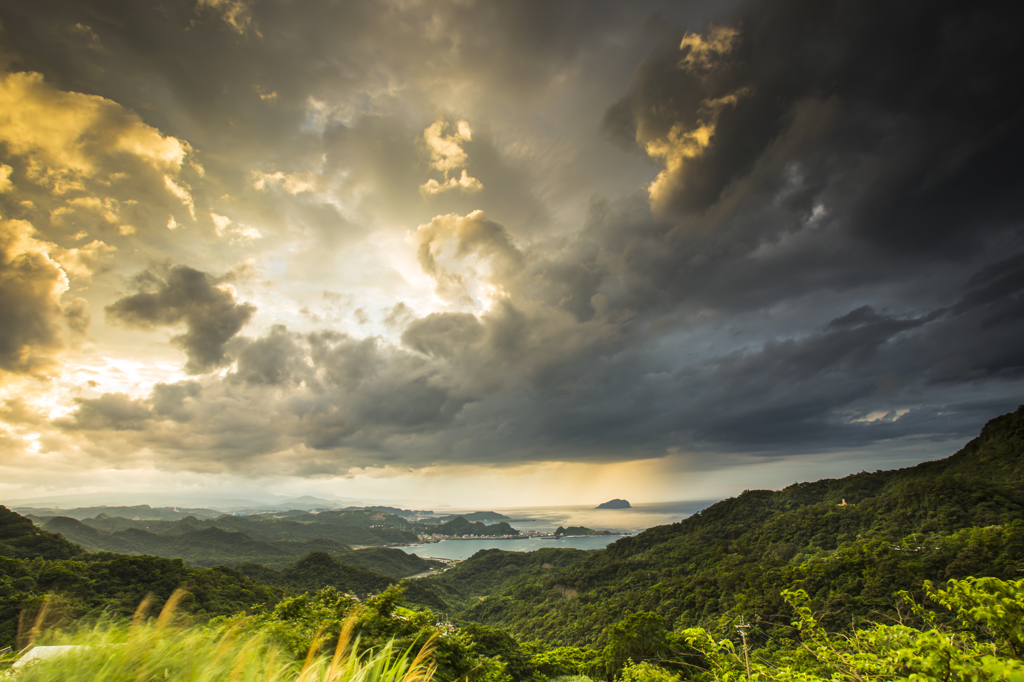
x: 165, y: 648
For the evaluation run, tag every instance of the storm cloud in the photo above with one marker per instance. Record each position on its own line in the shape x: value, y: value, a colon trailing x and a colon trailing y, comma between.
x: 476, y: 234
x: 185, y: 296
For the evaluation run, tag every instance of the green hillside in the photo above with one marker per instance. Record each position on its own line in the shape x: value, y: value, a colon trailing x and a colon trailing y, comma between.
x: 203, y: 544
x: 492, y: 570
x: 349, y: 529
x: 318, y: 570
x: 209, y: 546
x: 952, y: 518
x: 575, y: 531
x: 19, y: 539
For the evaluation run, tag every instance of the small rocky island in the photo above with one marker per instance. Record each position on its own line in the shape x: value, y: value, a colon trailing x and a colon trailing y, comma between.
x: 614, y: 504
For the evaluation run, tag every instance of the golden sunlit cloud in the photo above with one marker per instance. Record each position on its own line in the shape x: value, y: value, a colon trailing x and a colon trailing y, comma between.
x: 223, y: 226
x: 471, y: 258
x: 293, y: 183
x: 92, y: 158
x: 182, y: 194
x: 684, y: 141
x: 84, y: 261
x: 465, y: 182
x: 37, y: 326
x: 447, y: 155
x: 64, y: 134
x: 235, y: 13
x: 702, y: 51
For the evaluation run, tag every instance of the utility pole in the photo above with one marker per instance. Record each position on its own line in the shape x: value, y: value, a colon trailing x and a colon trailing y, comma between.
x: 742, y: 627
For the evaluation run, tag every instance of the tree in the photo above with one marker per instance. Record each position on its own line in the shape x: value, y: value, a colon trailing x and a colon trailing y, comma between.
x: 984, y: 642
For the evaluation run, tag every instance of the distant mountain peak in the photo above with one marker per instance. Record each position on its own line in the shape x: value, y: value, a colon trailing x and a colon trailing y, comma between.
x: 615, y: 504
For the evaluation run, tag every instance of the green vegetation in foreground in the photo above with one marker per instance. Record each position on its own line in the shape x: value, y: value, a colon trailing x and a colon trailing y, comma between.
x: 64, y: 590
x: 163, y: 649
x: 977, y: 635
x: 984, y: 641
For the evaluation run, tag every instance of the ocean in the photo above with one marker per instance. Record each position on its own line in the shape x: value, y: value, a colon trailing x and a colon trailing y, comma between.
x: 624, y: 521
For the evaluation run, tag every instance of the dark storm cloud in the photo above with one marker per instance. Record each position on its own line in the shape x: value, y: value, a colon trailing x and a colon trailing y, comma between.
x: 115, y: 411
x: 915, y: 126
x: 272, y: 360
x: 980, y: 334
x: 443, y: 335
x: 343, y: 394
x: 814, y: 151
x: 179, y: 295
x: 172, y: 401
x: 527, y: 382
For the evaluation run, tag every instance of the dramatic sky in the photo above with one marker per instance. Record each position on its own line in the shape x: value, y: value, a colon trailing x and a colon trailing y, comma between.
x: 497, y: 253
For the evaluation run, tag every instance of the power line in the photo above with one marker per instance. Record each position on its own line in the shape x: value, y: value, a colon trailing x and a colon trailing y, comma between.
x: 742, y: 627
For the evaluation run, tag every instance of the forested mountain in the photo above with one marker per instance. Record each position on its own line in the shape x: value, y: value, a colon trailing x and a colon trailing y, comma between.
x: 19, y: 538
x: 349, y: 529
x: 209, y: 544
x: 206, y: 547
x: 316, y: 571
x: 852, y: 543
x: 492, y: 570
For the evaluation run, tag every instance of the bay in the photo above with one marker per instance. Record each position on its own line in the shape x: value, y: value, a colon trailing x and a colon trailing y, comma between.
x: 546, y: 519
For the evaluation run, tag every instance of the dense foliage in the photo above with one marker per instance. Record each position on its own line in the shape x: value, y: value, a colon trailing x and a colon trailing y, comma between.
x: 319, y: 570
x: 492, y: 570
x: 63, y: 590
x: 39, y: 568
x: 851, y: 543
x: 984, y: 641
x: 19, y: 538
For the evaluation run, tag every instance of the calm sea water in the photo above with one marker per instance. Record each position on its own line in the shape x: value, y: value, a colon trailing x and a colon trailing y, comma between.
x: 627, y: 521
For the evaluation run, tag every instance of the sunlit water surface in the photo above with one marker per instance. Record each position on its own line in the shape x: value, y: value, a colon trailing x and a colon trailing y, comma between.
x: 625, y: 521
